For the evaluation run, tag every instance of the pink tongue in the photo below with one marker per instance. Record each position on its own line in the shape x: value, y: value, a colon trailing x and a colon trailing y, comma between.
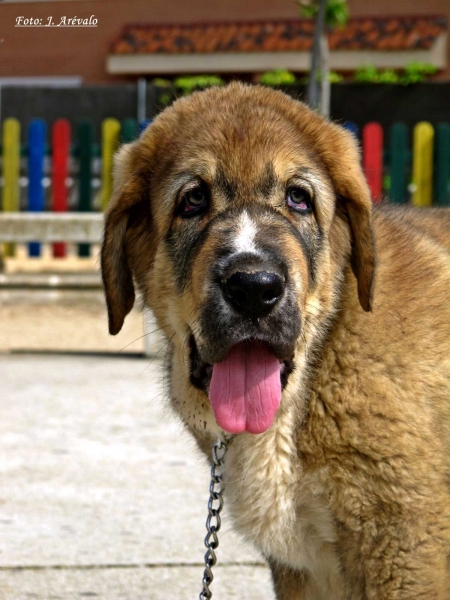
x: 245, y: 390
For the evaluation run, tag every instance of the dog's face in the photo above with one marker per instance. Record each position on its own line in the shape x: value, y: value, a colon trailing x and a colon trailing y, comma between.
x: 237, y: 213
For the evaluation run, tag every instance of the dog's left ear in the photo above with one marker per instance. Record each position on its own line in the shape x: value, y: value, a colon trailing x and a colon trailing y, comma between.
x: 116, y: 272
x: 340, y: 153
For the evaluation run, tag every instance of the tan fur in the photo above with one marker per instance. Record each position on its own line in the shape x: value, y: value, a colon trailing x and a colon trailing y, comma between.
x: 347, y: 494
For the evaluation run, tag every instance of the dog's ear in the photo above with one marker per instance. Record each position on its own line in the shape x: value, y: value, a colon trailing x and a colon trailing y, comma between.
x: 340, y: 153
x: 116, y: 273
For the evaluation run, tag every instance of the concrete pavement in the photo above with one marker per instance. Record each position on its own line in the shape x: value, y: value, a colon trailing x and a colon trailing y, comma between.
x: 102, y: 495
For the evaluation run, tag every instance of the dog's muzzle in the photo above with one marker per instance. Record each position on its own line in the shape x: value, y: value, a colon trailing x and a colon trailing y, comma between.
x: 253, y: 294
x: 250, y: 324
x: 251, y: 298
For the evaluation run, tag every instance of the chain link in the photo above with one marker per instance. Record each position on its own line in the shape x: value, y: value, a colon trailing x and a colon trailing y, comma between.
x: 213, y: 522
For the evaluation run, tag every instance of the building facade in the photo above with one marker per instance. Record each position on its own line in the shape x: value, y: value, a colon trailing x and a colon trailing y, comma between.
x: 92, y: 53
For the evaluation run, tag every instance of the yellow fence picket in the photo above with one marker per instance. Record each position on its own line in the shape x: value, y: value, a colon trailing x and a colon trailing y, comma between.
x: 11, y: 170
x: 423, y: 141
x: 110, y: 143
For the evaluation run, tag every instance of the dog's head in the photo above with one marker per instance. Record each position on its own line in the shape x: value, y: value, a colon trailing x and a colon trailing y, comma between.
x: 236, y: 213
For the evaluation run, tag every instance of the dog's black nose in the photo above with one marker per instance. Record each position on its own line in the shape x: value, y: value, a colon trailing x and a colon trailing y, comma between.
x: 253, y: 294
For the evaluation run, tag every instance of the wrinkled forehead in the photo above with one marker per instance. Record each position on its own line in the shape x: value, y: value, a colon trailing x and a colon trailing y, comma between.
x: 237, y: 153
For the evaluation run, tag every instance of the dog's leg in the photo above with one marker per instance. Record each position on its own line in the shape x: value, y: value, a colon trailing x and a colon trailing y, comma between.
x: 325, y: 582
x: 292, y: 584
x: 289, y: 584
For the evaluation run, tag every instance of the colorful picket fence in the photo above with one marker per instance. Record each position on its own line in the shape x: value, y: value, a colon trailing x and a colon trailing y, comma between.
x: 42, y: 173
x: 73, y: 173
x: 399, y: 169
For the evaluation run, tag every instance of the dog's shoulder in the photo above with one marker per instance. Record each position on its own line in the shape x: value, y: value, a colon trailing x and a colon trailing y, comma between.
x: 413, y: 260
x: 399, y: 223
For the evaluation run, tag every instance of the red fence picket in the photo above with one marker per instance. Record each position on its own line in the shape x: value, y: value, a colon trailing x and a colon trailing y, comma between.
x: 60, y: 173
x: 373, y: 158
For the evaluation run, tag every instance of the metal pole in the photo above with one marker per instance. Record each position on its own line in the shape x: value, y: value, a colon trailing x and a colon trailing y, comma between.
x: 313, y: 87
x: 325, y: 79
x: 141, y: 100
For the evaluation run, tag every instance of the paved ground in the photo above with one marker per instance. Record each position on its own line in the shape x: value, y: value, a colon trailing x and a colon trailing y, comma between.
x: 101, y: 493
x: 63, y: 320
x: 60, y: 319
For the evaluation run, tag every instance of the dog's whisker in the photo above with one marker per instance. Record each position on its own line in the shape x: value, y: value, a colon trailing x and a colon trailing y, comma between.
x: 157, y: 355
x: 143, y: 336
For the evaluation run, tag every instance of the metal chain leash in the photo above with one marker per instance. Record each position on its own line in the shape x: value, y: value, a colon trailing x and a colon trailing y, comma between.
x: 213, y: 522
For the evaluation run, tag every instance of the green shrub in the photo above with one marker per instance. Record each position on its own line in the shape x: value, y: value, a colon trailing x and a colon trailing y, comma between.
x: 415, y: 72
x: 388, y: 76
x: 277, y: 77
x: 188, y: 84
x: 333, y: 77
x: 162, y: 83
x: 366, y: 74
x: 166, y: 93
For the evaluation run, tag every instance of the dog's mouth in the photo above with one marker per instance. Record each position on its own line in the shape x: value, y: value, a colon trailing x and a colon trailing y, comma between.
x: 245, y: 387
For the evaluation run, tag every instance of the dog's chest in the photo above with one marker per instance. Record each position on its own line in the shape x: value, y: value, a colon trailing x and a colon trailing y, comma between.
x: 285, y: 514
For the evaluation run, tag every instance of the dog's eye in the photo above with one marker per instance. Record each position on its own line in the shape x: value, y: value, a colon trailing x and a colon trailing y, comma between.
x: 193, y: 202
x: 299, y: 199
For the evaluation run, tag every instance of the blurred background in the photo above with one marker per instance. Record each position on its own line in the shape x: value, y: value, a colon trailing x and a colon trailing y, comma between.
x: 101, y: 493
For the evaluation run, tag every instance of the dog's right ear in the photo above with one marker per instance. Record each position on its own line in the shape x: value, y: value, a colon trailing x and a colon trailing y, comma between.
x: 116, y: 272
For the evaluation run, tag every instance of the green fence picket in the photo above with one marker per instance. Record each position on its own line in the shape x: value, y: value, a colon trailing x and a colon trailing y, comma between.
x: 398, y: 155
x: 129, y: 131
x: 442, y: 165
x: 85, y: 153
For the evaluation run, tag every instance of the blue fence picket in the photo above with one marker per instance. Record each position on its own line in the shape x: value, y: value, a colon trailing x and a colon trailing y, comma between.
x: 36, y: 155
x: 143, y: 125
x: 353, y: 127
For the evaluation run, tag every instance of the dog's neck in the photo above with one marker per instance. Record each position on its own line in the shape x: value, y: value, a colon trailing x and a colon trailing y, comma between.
x: 261, y: 473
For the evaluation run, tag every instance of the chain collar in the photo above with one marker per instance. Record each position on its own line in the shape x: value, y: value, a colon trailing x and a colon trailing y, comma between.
x: 213, y: 521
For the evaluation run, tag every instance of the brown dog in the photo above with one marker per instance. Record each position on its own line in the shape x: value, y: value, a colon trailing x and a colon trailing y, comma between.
x: 246, y: 223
